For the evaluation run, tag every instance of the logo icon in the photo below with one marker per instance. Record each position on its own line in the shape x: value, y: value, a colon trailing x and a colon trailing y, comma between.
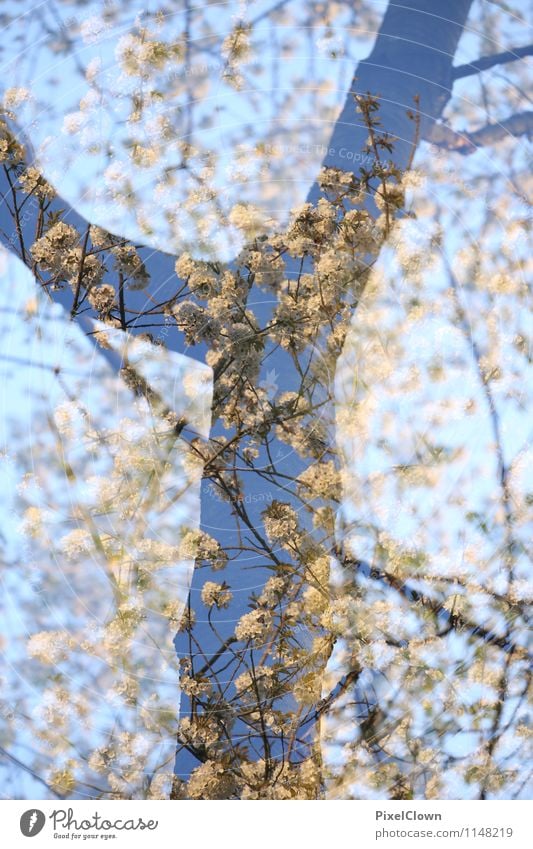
x: 270, y: 383
x: 32, y: 822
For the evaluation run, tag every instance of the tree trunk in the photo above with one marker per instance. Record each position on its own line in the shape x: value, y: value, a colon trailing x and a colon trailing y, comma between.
x: 409, y: 71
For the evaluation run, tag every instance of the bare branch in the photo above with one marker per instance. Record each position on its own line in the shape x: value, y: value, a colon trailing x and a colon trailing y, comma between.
x: 486, y: 62
x: 519, y: 124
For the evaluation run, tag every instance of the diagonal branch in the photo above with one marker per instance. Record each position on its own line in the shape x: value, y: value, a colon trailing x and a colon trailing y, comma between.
x: 519, y: 124
x: 456, y: 620
x: 484, y: 63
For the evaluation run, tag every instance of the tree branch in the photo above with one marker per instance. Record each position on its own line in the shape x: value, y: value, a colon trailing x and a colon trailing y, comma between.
x: 519, y: 124
x: 19, y: 230
x: 486, y: 62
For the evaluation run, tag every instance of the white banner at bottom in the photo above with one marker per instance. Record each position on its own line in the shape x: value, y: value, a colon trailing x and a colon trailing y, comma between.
x: 314, y: 825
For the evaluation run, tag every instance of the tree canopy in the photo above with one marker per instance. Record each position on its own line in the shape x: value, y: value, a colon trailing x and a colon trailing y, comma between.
x: 281, y: 263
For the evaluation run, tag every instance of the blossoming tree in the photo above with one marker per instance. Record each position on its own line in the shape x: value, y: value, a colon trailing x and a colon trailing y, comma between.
x: 352, y: 627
